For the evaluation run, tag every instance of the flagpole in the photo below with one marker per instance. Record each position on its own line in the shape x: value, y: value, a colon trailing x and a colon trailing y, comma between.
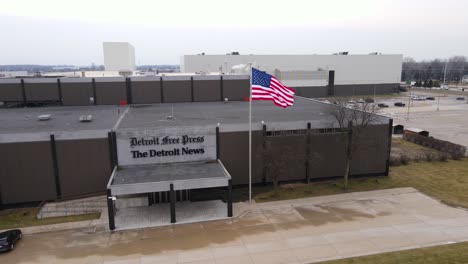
x: 250, y: 134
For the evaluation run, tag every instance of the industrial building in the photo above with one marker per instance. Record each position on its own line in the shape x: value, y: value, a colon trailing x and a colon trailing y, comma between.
x: 339, y: 74
x: 157, y: 137
x: 119, y: 56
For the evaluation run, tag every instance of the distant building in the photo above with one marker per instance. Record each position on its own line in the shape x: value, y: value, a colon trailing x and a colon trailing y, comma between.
x: 12, y: 74
x: 119, y: 56
x: 312, y: 75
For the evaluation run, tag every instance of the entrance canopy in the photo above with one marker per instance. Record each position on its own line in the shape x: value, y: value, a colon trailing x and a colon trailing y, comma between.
x: 158, y: 178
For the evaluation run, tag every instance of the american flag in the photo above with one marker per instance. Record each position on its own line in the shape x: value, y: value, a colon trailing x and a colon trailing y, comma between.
x: 267, y: 87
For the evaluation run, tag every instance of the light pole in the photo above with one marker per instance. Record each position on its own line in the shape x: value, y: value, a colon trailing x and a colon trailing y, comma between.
x: 445, y: 73
x: 409, y: 102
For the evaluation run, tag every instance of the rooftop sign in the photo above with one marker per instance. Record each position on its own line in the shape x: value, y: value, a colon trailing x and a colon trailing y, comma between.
x: 165, y: 145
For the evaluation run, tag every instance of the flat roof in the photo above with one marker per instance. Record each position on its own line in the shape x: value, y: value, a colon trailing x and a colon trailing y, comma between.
x: 19, y: 123
x: 63, y: 118
x: 231, y: 116
x: 156, y: 178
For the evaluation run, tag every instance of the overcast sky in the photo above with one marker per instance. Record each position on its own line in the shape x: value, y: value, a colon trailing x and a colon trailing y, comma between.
x: 72, y: 32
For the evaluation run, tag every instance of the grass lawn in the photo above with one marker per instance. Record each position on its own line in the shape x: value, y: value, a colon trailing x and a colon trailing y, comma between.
x: 22, y: 217
x: 447, y: 181
x: 453, y: 254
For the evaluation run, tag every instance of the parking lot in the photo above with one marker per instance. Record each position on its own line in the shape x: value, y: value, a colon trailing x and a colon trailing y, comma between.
x: 445, y: 119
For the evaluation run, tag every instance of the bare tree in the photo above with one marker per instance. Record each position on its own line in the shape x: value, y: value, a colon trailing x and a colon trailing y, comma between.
x: 339, y: 111
x: 363, y: 114
x: 343, y: 109
x: 433, y: 69
x: 278, y: 163
x: 353, y: 117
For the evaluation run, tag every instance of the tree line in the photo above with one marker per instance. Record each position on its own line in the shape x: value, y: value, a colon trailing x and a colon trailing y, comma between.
x: 433, y: 70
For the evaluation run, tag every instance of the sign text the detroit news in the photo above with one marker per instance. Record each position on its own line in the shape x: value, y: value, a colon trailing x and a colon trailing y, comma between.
x: 173, y: 146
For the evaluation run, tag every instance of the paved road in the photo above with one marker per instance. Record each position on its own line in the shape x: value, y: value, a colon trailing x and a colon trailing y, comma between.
x: 449, y: 123
x: 295, y: 231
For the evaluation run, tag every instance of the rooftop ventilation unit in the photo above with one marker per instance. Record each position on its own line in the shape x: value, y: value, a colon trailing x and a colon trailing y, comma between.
x: 44, y: 117
x: 343, y: 53
x: 375, y: 53
x: 86, y: 118
x: 171, y: 117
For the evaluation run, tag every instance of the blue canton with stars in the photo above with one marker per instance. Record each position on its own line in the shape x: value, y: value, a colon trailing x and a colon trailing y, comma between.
x: 260, y: 78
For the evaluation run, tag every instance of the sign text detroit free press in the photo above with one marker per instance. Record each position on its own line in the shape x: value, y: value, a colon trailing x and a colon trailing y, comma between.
x: 153, y: 147
x: 167, y: 140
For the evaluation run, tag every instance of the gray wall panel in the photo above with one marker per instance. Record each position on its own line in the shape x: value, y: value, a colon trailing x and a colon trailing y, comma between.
x: 11, y: 92
x: 76, y: 93
x: 236, y: 90
x: 370, y: 153
x: 26, y: 172
x: 110, y: 93
x: 177, y: 91
x: 206, y: 90
x: 84, y: 166
x: 290, y: 153
x: 365, y: 89
x: 41, y: 91
x: 327, y: 156
x: 234, y: 153
x: 311, y: 92
x: 146, y: 92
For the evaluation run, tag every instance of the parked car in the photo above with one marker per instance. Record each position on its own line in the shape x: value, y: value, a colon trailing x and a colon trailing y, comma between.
x: 369, y: 100
x: 399, y: 104
x: 430, y: 98
x: 382, y: 105
x: 9, y: 238
x: 360, y: 101
x: 417, y: 98
x: 461, y: 98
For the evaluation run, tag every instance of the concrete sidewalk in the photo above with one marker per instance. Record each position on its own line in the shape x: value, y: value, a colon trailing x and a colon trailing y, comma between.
x: 294, y: 231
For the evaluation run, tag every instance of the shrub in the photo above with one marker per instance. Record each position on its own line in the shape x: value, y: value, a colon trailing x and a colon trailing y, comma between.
x: 404, y: 159
x: 457, y: 155
x: 456, y: 151
x: 443, y: 157
x: 430, y: 156
x: 395, y: 160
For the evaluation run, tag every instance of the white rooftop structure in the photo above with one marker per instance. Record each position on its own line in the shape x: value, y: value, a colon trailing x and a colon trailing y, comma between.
x: 119, y: 56
x: 305, y: 70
